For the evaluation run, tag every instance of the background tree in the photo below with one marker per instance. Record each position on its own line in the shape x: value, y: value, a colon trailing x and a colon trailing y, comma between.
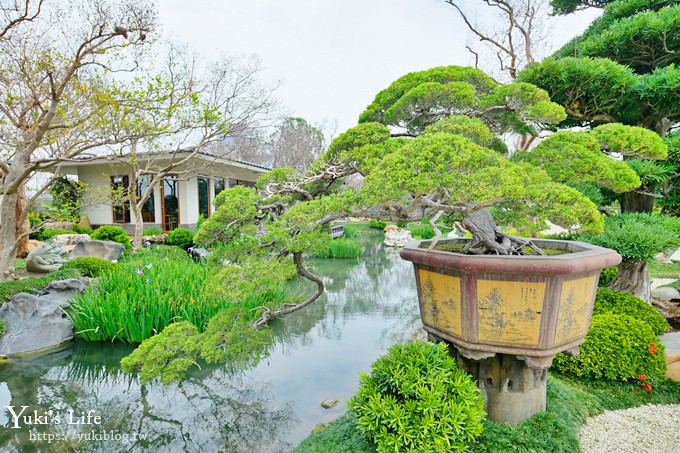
x: 55, y: 94
x: 296, y: 144
x: 622, y: 69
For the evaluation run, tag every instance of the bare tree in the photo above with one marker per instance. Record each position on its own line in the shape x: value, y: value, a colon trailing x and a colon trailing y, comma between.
x: 518, y: 40
x: 166, y: 119
x: 296, y: 144
x: 54, y: 89
x: 16, y: 12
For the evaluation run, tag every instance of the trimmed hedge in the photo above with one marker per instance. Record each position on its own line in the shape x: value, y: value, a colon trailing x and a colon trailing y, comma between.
x: 618, y: 348
x: 609, y: 301
x: 181, y: 237
x: 112, y: 233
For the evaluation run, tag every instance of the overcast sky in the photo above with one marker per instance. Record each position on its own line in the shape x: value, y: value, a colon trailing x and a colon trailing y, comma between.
x: 333, y: 56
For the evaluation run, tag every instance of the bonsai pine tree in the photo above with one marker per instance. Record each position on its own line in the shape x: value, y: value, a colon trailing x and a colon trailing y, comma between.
x: 624, y: 69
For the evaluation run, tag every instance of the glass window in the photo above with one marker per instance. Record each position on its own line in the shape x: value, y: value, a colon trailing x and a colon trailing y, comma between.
x: 220, y: 184
x: 121, y: 203
x: 170, y: 191
x: 203, y: 197
x: 149, y: 208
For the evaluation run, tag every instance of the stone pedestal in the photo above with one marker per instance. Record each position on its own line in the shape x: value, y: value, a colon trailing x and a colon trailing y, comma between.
x: 513, y: 391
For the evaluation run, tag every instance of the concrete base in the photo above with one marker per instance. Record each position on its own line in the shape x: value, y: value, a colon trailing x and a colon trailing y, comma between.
x: 513, y: 392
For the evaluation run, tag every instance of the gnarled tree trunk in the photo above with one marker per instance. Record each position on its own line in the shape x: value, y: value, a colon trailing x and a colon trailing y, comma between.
x: 25, y: 227
x: 488, y: 239
x: 637, y: 202
x: 8, y: 236
x: 633, y: 278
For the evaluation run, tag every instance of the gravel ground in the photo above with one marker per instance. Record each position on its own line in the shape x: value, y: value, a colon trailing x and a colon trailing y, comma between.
x: 645, y: 429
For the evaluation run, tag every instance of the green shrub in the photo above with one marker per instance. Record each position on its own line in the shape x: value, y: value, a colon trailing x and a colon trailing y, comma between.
x: 9, y: 289
x: 338, y: 248
x: 377, y: 224
x: 421, y: 231
x: 112, y: 233
x: 90, y: 266
x: 618, y: 348
x: 82, y: 230
x: 416, y: 399
x: 181, y: 237
x: 2, y: 328
x: 607, y: 275
x: 46, y: 235
x: 232, y: 250
x: 152, y: 231
x: 620, y: 303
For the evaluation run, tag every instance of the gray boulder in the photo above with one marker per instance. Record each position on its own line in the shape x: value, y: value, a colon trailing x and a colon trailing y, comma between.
x: 35, y: 322
x: 45, y: 258
x: 108, y: 250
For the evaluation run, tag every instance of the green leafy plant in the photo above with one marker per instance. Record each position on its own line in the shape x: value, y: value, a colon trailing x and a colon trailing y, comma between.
x: 417, y: 399
x: 617, y: 347
x: 421, y: 231
x: 112, y: 233
x: 82, y: 230
x: 338, y: 248
x: 90, y: 266
x: 181, y: 237
x: 620, y: 303
x: 377, y: 224
x: 607, y: 275
x: 2, y: 328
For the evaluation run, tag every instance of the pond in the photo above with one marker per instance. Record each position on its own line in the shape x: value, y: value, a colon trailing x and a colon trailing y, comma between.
x: 79, y: 399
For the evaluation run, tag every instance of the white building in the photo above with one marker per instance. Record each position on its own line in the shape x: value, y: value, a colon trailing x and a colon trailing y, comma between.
x: 182, y: 197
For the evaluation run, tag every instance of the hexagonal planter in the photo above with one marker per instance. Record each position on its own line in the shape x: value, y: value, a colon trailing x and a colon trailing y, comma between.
x: 531, y: 307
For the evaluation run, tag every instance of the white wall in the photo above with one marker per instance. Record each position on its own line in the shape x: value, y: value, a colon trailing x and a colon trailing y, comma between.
x: 188, y: 201
x: 98, y: 186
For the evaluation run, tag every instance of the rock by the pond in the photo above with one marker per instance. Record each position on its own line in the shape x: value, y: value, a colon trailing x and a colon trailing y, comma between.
x: 666, y: 293
x: 45, y: 258
x: 329, y: 404
x: 84, y: 223
x: 155, y: 238
x: 36, y: 322
x: 59, y: 225
x: 319, y: 427
x: 108, y: 250
x: 397, y: 238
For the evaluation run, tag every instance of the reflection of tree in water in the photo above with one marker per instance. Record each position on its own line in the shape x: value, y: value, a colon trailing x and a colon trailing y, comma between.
x: 212, y: 411
x: 376, y: 284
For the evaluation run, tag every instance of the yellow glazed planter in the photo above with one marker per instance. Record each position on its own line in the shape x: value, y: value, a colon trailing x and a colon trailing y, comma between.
x: 519, y: 310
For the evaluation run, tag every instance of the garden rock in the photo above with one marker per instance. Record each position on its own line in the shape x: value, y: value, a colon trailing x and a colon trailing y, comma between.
x: 329, y: 404
x: 198, y: 253
x: 84, y: 223
x: 59, y: 225
x: 35, y: 322
x: 33, y: 244
x: 672, y: 354
x: 69, y: 241
x: 675, y: 256
x: 108, y: 250
x: 397, y: 238
x: 155, y: 238
x: 45, y: 258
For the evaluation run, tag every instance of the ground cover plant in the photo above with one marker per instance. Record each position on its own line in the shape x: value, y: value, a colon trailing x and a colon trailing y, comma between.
x: 338, y: 248
x: 90, y: 266
x: 620, y: 303
x: 10, y: 288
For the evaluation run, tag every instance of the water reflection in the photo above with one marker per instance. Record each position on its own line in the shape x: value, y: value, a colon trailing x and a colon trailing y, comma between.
x: 370, y: 304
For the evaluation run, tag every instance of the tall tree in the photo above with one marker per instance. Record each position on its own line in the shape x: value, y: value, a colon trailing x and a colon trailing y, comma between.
x: 54, y: 93
x: 296, y: 144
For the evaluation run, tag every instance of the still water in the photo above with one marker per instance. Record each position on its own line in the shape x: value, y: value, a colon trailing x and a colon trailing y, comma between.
x: 79, y: 400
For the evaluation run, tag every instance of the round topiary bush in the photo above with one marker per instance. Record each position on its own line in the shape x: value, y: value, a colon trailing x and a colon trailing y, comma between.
x: 618, y: 348
x: 417, y: 399
x: 181, y: 237
x: 90, y: 266
x: 112, y: 233
x: 620, y: 303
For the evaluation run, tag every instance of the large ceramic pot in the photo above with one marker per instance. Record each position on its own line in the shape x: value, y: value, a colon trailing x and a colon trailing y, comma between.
x: 508, y: 316
x: 532, y: 306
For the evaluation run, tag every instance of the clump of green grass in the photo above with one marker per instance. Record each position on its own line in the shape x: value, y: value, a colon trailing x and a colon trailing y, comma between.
x: 19, y: 264
x: 152, y: 231
x: 143, y: 296
x: 338, y: 248
x: 421, y: 231
x: 659, y: 270
x: 9, y: 289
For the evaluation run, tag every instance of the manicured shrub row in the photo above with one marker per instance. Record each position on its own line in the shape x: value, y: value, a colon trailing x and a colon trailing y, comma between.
x: 619, y: 348
x: 377, y: 224
x: 112, y: 233
x: 609, y: 301
x: 417, y: 399
x: 90, y: 266
x: 9, y: 289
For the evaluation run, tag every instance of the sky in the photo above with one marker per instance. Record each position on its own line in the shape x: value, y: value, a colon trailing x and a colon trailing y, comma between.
x: 333, y: 56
